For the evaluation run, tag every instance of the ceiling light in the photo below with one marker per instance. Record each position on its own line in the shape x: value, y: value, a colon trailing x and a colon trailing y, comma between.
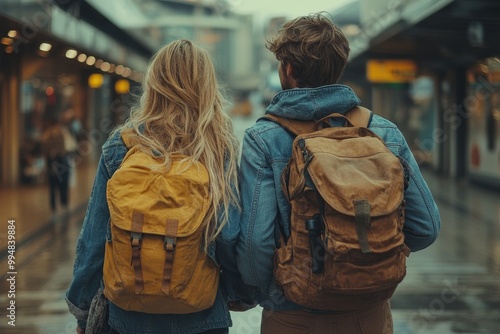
x: 91, y: 60
x: 126, y: 72
x: 82, y: 57
x: 71, y: 53
x: 96, y: 80
x: 122, y: 86
x: 45, y: 47
x: 119, y: 69
x: 6, y: 41
x: 105, y: 66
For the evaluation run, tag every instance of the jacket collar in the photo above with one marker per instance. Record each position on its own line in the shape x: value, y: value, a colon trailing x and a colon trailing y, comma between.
x: 313, y: 103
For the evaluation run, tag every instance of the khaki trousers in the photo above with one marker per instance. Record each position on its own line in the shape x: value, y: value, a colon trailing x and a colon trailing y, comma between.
x: 374, y: 320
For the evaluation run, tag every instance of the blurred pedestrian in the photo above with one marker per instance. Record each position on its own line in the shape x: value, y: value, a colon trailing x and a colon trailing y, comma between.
x: 74, y: 123
x: 312, y: 54
x: 71, y: 127
x: 58, y: 166
x: 180, y: 112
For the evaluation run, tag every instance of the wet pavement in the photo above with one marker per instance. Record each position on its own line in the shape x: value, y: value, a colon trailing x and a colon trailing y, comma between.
x: 44, y: 270
x: 451, y: 287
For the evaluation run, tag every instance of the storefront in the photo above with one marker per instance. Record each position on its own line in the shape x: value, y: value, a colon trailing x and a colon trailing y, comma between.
x: 483, y: 104
x: 46, y: 78
x: 445, y: 39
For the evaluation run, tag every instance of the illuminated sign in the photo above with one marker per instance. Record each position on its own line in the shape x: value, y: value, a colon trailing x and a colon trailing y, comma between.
x: 391, y: 71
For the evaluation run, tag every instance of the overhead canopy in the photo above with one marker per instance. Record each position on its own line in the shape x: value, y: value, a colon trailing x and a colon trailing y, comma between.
x: 451, y: 31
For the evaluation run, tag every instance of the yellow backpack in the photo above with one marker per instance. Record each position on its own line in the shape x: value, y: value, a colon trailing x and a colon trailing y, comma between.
x: 155, y: 261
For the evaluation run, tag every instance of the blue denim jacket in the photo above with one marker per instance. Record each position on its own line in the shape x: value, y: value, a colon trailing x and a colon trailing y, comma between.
x: 265, y: 153
x: 87, y: 273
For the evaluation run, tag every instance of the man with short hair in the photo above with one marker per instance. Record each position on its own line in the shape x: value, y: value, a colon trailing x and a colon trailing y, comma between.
x: 312, y: 54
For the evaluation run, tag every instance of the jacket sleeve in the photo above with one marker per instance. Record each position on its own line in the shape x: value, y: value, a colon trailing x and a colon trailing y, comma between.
x: 87, y: 271
x: 422, y: 219
x: 255, y: 249
x: 232, y: 283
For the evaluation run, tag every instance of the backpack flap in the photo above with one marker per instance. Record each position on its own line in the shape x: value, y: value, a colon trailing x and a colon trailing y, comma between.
x: 357, y: 176
x: 182, y: 191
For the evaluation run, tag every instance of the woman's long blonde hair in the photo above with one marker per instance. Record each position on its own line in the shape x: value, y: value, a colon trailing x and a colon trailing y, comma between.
x: 181, y: 111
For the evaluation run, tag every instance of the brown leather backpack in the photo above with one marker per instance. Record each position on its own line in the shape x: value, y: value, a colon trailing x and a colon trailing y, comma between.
x: 346, y: 189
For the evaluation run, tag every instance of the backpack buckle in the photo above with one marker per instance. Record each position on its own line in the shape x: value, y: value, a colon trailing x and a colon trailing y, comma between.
x: 136, y: 238
x: 169, y: 244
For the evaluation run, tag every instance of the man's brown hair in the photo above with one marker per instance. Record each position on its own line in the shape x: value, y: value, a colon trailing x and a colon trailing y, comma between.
x: 316, y: 49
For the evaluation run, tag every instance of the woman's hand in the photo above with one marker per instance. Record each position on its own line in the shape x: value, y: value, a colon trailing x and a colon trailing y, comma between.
x: 240, y: 306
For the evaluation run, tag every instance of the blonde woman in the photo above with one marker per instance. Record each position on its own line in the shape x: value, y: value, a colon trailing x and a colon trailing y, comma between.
x: 180, y: 112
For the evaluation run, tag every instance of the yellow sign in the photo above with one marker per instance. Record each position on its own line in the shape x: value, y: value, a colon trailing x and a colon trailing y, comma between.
x: 390, y: 71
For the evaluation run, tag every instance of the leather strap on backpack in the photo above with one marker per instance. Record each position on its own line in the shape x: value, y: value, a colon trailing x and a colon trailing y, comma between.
x: 362, y: 216
x: 295, y: 127
x: 169, y: 245
x: 136, y: 236
x: 357, y: 116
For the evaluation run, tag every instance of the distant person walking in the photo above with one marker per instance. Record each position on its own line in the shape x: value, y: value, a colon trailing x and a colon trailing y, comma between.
x: 58, y: 167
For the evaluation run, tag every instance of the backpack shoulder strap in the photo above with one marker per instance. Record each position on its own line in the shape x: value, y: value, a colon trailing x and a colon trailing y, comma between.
x: 125, y: 135
x: 359, y: 116
x: 295, y: 127
x: 129, y: 138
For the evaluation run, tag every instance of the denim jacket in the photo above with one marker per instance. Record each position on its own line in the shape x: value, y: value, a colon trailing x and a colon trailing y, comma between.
x: 87, y: 273
x: 265, y: 153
